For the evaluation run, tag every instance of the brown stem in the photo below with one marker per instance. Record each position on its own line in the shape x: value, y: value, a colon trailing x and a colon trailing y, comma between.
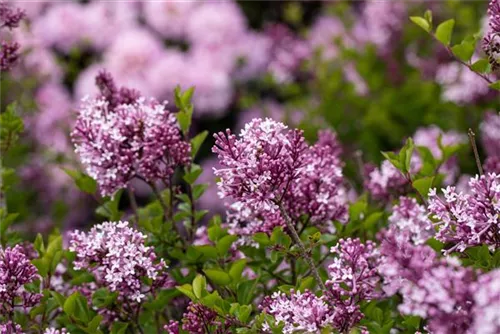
x: 133, y: 204
x: 302, y: 249
x: 472, y: 138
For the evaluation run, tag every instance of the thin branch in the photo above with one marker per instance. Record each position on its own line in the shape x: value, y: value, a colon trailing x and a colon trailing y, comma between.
x: 472, y: 138
x: 302, y: 248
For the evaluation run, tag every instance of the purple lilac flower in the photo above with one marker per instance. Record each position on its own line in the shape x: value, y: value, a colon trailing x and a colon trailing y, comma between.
x: 169, y: 18
x: 11, y: 328
x: 117, y: 257
x: 353, y: 278
x: 381, y: 24
x: 10, y: 17
x: 288, y: 53
x: 443, y: 296
x: 460, y: 85
x: 299, y: 312
x: 120, y: 136
x: 172, y: 327
x: 323, y: 34
x: 257, y: 167
x: 487, y: 303
x: 385, y: 182
x: 198, y: 319
x: 16, y: 270
x: 410, y: 220
x: 491, y: 40
x: 318, y: 190
x: 468, y: 219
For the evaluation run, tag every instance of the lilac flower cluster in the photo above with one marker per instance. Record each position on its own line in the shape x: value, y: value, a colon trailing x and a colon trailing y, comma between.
x: 487, y: 303
x: 10, y: 18
x: 11, y: 328
x: 409, y: 221
x: 491, y: 39
x: 468, y: 219
x: 198, y: 319
x: 353, y: 278
x: 269, y: 166
x: 385, y: 182
x: 120, y: 136
x: 490, y: 138
x: 117, y: 257
x: 16, y: 270
x: 299, y: 312
x: 443, y: 296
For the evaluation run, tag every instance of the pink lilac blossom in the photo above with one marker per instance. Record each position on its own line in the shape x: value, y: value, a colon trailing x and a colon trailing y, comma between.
x: 16, y: 270
x: 215, y: 23
x: 460, y: 85
x: 410, y: 219
x: 318, y: 190
x: 169, y: 18
x: 257, y: 167
x: 172, y: 327
x: 119, y: 136
x: 490, y: 138
x: 353, y: 278
x: 381, y: 24
x: 62, y: 26
x: 10, y: 17
x: 118, y: 258
x: 429, y: 138
x: 299, y: 312
x: 487, y: 303
x: 322, y: 36
x: 288, y: 53
x: 442, y: 295
x: 385, y: 182
x: 468, y: 219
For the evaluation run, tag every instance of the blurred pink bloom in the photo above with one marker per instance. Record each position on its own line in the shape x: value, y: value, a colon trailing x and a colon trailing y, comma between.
x: 169, y: 18
x: 323, y: 34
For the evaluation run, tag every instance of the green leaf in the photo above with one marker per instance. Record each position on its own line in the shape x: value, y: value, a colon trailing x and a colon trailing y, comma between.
x: 495, y: 85
x: 236, y: 269
x: 421, y: 22
x: 405, y: 155
x: 218, y: 276
x: 58, y: 297
x: 76, y: 307
x: 197, y: 141
x: 481, y: 66
x: 393, y: 159
x: 199, y: 285
x: 192, y: 175
x: 110, y: 207
x: 465, y: 49
x: 423, y: 185
x: 11, y: 125
x: 262, y: 239
x: 225, y: 243
x: 84, y: 182
x: 187, y: 289
x: 103, y: 298
x: 444, y: 31
x: 307, y: 283
x: 246, y: 290
x: 119, y: 327
x: 94, y: 324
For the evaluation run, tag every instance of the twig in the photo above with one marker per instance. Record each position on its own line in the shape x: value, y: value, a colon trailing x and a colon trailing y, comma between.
x: 302, y: 249
x: 472, y: 138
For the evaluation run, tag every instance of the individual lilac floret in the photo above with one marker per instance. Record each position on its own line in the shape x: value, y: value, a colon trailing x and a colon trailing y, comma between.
x: 429, y: 137
x: 299, y: 312
x: 119, y: 137
x: 468, y: 219
x: 443, y: 296
x: 353, y: 278
x: 16, y: 270
x: 410, y: 220
x: 10, y: 18
x: 487, y: 303
x: 11, y: 328
x: 385, y: 182
x: 172, y: 327
x: 117, y: 257
x: 56, y: 331
x: 318, y: 190
x: 258, y: 167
